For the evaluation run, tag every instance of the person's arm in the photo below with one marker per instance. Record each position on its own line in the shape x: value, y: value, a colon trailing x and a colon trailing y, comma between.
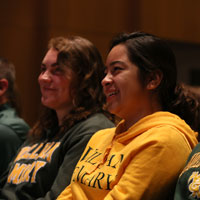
x: 81, y: 135
x: 66, y: 194
x: 66, y: 169
x: 153, y: 171
x: 9, y: 144
x: 188, y: 183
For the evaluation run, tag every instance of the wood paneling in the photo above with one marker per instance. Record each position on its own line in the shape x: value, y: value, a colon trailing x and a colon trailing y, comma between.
x: 26, y: 26
x: 171, y: 19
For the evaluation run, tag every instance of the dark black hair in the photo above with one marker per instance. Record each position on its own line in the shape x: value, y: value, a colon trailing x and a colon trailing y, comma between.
x: 150, y: 54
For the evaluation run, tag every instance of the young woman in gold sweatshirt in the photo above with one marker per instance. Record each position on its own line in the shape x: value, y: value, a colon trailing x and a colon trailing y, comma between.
x: 142, y: 157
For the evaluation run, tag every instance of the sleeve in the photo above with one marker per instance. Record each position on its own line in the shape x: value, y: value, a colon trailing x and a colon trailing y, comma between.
x: 188, y: 184
x: 83, y: 133
x: 66, y: 169
x: 66, y: 194
x: 152, y: 172
x: 9, y: 144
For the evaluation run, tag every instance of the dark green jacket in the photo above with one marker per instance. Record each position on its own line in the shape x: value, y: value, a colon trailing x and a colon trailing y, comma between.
x: 188, y: 185
x: 42, y: 170
x: 13, y: 131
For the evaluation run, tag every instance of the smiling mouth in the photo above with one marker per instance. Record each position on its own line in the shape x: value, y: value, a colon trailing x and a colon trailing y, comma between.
x: 112, y: 93
x: 47, y: 89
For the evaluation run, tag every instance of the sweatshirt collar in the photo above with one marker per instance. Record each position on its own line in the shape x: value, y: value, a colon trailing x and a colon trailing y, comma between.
x: 156, y: 119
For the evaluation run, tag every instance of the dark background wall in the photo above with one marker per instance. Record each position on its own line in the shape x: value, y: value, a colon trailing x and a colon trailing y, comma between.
x: 27, y: 25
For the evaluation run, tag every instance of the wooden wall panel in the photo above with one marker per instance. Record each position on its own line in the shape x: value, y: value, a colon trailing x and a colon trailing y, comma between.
x: 95, y: 20
x: 172, y: 19
x: 26, y: 26
x: 22, y: 41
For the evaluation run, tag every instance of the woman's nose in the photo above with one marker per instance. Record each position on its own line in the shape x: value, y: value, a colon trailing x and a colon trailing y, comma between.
x: 45, y: 76
x: 106, y: 80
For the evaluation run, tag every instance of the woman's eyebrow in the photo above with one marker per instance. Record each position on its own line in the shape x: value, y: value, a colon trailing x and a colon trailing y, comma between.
x: 52, y: 65
x: 117, y: 62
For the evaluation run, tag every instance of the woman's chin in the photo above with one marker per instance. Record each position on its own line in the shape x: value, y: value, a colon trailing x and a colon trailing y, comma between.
x: 47, y: 104
x: 112, y: 109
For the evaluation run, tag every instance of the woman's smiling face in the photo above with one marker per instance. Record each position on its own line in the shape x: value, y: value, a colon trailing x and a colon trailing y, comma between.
x: 55, y: 83
x: 122, y: 85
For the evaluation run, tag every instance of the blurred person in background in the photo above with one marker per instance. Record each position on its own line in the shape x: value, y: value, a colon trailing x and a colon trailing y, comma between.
x: 13, y: 129
x: 73, y: 100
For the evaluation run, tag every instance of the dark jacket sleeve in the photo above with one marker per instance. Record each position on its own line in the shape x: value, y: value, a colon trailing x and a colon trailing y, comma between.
x: 66, y: 169
x: 189, y: 180
x: 78, y: 139
x: 9, y: 144
x: 72, y: 144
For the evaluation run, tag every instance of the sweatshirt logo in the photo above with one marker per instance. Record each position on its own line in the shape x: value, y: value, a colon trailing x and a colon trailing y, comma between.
x: 96, y: 172
x: 194, y: 179
x: 36, y: 156
x: 194, y: 184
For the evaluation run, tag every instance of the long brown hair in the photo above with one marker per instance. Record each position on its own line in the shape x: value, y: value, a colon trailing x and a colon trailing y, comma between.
x: 83, y: 58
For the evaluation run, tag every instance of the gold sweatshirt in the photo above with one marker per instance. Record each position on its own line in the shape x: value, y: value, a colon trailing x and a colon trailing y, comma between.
x: 142, y: 163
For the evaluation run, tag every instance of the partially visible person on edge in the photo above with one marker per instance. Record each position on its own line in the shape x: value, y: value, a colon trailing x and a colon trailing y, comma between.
x: 13, y: 129
x: 188, y: 185
x: 142, y: 157
x: 73, y: 99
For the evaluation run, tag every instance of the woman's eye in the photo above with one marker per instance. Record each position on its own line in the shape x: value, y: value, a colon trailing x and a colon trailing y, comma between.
x: 105, y: 72
x: 57, y: 70
x: 42, y: 69
x: 115, y: 69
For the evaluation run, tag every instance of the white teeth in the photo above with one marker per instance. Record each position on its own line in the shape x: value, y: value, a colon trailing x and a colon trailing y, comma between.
x: 113, y: 93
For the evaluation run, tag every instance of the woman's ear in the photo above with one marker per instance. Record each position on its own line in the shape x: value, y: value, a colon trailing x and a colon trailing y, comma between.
x: 154, y: 79
x: 3, y: 86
